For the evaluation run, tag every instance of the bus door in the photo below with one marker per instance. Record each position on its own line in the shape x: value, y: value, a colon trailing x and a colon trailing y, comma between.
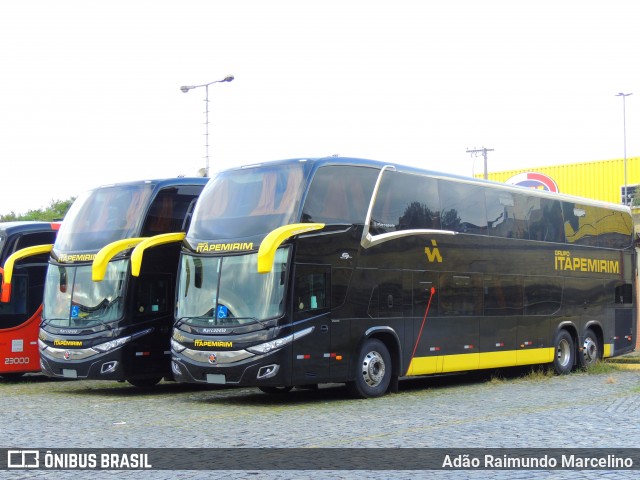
x: 311, y: 309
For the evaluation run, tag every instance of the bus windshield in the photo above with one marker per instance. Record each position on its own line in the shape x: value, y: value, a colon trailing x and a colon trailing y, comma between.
x: 229, y: 291
x: 72, y: 299
x: 247, y: 202
x: 101, y: 216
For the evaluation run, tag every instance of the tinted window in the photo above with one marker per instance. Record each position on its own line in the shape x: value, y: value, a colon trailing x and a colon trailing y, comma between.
x: 169, y: 209
x: 580, y: 224
x: 102, y: 216
x: 339, y: 194
x: 615, y: 230
x: 311, y: 287
x: 463, y: 207
x: 545, y: 220
x: 506, y: 214
x: 245, y: 202
x: 405, y: 202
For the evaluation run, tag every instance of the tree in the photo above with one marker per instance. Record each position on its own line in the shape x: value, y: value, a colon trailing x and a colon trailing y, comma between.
x: 56, y: 210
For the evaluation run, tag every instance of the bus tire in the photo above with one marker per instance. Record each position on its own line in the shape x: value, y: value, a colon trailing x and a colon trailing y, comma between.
x: 564, y: 357
x: 275, y: 390
x: 590, y: 352
x: 144, y: 382
x: 373, y: 370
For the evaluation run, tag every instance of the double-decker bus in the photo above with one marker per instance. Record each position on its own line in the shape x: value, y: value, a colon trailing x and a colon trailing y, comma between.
x: 21, y: 306
x: 98, y: 322
x: 302, y: 272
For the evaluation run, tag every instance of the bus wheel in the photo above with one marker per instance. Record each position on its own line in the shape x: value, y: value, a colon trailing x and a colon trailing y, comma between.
x: 373, y: 371
x: 564, y: 353
x: 144, y: 382
x: 275, y: 390
x: 590, y: 353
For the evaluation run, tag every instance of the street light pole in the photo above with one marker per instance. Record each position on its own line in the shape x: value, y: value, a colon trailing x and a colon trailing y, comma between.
x: 624, y: 132
x: 185, y: 89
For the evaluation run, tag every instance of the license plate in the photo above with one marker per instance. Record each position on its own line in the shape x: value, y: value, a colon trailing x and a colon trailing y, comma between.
x: 68, y: 373
x: 216, y: 378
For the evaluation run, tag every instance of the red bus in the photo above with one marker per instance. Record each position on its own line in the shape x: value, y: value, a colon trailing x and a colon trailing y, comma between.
x: 21, y: 300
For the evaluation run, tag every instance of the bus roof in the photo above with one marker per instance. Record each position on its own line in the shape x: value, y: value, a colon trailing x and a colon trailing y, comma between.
x: 315, y: 163
x: 11, y: 228
x: 159, y: 183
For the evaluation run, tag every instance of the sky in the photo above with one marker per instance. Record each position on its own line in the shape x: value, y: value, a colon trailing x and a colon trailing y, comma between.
x: 90, y: 89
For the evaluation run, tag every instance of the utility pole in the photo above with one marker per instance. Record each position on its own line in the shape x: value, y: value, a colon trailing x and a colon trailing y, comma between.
x: 476, y: 152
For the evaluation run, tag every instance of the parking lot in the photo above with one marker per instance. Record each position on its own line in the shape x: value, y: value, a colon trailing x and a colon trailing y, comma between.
x: 517, y: 409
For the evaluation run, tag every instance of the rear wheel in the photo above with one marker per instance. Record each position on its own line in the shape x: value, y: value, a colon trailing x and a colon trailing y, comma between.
x: 590, y: 353
x: 564, y: 353
x: 373, y: 371
x: 144, y: 382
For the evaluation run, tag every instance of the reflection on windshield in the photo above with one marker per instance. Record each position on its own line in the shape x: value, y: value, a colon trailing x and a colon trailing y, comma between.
x: 101, y: 216
x: 229, y: 290
x: 244, y: 203
x: 72, y: 299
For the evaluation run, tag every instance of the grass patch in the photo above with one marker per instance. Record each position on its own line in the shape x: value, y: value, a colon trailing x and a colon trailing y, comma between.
x: 601, y: 368
x: 539, y: 374
x: 626, y: 360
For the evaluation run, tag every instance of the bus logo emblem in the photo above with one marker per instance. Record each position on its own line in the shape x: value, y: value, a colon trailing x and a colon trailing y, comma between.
x: 67, y: 355
x: 213, y: 359
x: 433, y: 255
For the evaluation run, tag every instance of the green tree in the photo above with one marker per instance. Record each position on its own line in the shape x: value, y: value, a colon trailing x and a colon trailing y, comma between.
x: 56, y: 210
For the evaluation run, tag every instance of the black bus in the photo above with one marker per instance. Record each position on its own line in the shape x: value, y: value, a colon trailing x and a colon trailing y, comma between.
x: 21, y: 299
x: 98, y: 322
x: 309, y: 271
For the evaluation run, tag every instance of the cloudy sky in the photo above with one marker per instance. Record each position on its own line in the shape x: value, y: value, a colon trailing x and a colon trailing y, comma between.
x: 90, y: 90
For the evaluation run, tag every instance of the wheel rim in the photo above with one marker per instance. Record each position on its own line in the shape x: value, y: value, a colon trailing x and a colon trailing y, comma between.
x: 373, y: 369
x: 590, y: 351
x: 563, y: 352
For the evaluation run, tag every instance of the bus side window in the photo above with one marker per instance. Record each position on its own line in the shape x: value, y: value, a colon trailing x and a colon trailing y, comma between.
x: 169, y: 209
x: 14, y: 313
x: 311, y: 287
x: 32, y: 239
x: 505, y: 214
x: 405, y: 201
x: 462, y: 207
x: 339, y: 194
x: 614, y: 230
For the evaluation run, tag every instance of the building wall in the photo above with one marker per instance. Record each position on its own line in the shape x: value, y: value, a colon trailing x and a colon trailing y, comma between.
x: 601, y: 180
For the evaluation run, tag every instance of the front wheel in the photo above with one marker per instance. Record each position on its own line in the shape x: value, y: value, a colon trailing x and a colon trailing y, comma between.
x: 564, y: 358
x: 373, y: 371
x: 590, y: 353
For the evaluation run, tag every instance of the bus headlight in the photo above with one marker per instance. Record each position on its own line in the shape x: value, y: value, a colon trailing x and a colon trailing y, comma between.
x: 272, y: 345
x: 110, y: 345
x: 177, y: 347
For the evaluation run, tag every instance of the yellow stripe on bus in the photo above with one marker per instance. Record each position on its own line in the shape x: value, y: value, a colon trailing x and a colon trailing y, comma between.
x: 476, y: 361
